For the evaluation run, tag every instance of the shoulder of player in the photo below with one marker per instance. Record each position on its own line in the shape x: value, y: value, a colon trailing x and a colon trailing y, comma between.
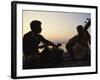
x: 40, y: 36
x: 28, y: 34
x: 74, y: 37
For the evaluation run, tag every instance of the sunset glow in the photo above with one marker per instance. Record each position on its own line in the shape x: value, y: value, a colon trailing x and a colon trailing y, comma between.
x: 56, y: 26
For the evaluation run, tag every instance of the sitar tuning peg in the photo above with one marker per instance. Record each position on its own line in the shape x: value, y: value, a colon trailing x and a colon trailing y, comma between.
x: 88, y: 19
x: 85, y: 21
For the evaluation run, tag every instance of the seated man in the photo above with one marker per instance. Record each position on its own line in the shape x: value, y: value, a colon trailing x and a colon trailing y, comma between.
x: 31, y: 41
x: 78, y: 45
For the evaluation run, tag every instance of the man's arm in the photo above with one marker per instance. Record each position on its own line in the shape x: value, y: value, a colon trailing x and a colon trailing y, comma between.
x: 71, y: 43
x: 47, y: 42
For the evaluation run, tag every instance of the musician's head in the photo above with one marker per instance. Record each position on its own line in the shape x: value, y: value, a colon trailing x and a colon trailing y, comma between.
x: 36, y: 26
x: 80, y: 29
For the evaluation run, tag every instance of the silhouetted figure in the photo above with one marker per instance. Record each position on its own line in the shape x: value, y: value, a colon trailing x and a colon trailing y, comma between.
x: 31, y: 41
x: 78, y: 46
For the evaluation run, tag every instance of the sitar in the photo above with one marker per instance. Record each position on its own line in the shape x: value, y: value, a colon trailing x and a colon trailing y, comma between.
x: 81, y: 49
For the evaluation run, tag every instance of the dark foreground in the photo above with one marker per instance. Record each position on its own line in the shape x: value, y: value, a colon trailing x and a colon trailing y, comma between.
x: 61, y: 62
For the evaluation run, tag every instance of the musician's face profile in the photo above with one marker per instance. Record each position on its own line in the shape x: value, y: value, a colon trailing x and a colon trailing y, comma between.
x: 80, y: 29
x: 36, y: 26
x: 39, y: 29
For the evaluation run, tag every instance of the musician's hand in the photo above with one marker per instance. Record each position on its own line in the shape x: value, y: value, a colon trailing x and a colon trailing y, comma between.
x: 59, y: 44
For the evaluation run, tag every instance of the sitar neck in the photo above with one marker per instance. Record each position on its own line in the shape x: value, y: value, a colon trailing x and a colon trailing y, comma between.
x: 87, y: 25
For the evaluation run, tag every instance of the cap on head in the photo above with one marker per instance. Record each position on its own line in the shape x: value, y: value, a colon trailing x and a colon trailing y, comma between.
x: 80, y: 29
